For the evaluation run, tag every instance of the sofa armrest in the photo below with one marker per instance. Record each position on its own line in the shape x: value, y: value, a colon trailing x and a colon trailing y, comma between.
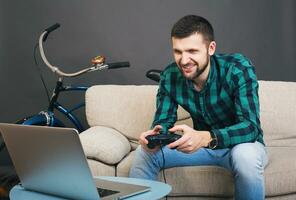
x: 104, y: 144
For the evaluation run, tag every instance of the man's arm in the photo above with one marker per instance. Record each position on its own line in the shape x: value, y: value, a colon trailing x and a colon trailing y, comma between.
x: 165, y: 115
x: 246, y: 102
x: 166, y: 107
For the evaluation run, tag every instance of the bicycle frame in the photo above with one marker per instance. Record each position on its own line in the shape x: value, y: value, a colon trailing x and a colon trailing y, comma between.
x: 67, y: 112
x: 48, y: 118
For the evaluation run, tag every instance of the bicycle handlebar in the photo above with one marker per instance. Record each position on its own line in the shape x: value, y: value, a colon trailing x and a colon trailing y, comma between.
x: 53, y: 27
x: 154, y: 74
x: 118, y: 65
x: 56, y: 70
x: 50, y: 29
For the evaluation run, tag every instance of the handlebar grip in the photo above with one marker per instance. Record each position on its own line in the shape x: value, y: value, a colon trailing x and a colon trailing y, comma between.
x: 53, y: 27
x: 118, y: 65
x: 50, y: 29
x: 154, y: 74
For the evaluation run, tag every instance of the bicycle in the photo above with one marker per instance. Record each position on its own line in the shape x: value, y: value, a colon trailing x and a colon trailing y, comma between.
x: 48, y: 117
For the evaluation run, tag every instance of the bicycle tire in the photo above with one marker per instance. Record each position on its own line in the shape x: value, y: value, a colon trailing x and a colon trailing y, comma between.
x: 21, y: 121
x: 35, y: 120
x: 40, y: 120
x: 28, y: 121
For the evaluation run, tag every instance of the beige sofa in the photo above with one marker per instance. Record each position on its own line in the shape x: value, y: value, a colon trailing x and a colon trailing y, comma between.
x: 118, y: 114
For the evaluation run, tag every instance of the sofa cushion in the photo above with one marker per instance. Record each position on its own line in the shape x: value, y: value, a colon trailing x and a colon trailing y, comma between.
x: 104, y: 144
x: 100, y: 169
x: 187, y: 181
x: 278, y: 112
x: 280, y: 176
x: 210, y: 181
x: 124, y: 166
x: 126, y: 108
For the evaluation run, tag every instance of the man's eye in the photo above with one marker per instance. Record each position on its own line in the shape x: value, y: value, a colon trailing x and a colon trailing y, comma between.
x: 193, y: 51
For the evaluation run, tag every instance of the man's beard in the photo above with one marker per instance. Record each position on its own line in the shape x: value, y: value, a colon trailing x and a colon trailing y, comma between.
x: 198, y: 71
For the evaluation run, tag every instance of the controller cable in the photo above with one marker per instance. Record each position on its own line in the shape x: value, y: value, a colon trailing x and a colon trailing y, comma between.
x: 163, y: 168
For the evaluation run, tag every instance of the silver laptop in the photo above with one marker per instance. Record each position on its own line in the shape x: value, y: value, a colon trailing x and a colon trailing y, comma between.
x: 51, y: 160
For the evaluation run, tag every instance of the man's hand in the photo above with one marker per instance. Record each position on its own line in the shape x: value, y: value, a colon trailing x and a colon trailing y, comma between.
x: 144, y: 142
x: 191, y: 140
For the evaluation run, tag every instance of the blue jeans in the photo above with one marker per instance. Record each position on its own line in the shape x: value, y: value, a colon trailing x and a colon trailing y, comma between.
x: 246, y: 161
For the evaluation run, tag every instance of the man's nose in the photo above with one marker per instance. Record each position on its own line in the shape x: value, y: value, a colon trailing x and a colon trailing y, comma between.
x: 185, y: 58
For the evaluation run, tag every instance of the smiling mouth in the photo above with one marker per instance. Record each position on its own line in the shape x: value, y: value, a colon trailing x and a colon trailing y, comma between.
x: 187, y: 68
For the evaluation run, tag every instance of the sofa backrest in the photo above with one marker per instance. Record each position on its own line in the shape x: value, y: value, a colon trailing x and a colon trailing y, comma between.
x: 130, y: 110
x: 126, y: 108
x: 278, y: 112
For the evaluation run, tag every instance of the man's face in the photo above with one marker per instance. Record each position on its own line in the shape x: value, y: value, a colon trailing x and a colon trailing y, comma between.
x: 192, y: 54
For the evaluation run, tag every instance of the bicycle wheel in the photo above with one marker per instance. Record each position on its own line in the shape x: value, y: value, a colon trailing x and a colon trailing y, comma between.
x: 39, y: 119
x: 21, y: 121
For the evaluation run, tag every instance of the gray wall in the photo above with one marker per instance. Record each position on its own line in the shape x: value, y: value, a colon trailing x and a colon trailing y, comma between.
x: 133, y: 30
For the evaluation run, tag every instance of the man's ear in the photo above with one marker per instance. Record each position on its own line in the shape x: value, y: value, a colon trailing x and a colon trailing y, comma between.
x: 212, y: 48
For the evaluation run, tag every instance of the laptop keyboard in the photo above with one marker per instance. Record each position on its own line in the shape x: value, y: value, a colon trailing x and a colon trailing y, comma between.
x: 105, y: 192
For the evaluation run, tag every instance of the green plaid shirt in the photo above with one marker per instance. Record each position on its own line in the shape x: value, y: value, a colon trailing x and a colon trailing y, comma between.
x: 227, y: 106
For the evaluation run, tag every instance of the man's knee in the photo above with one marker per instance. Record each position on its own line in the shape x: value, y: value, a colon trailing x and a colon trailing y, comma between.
x: 143, y: 156
x: 140, y: 156
x: 247, y: 159
x: 144, y: 165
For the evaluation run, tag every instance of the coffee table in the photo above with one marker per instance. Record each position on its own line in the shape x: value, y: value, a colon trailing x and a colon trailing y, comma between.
x: 158, y: 190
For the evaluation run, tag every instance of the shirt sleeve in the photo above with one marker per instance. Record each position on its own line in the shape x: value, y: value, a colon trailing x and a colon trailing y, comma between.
x: 246, y: 101
x: 166, y: 107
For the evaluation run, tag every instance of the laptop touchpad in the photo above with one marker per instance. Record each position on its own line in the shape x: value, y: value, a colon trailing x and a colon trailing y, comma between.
x: 105, y: 192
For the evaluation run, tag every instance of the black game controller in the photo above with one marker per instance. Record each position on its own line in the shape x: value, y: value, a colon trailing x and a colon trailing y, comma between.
x: 161, y: 139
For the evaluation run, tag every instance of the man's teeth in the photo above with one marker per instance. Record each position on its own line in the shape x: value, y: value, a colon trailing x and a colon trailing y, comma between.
x: 187, y: 67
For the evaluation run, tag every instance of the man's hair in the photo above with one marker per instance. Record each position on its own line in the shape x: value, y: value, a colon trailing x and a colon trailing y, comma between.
x: 191, y: 24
